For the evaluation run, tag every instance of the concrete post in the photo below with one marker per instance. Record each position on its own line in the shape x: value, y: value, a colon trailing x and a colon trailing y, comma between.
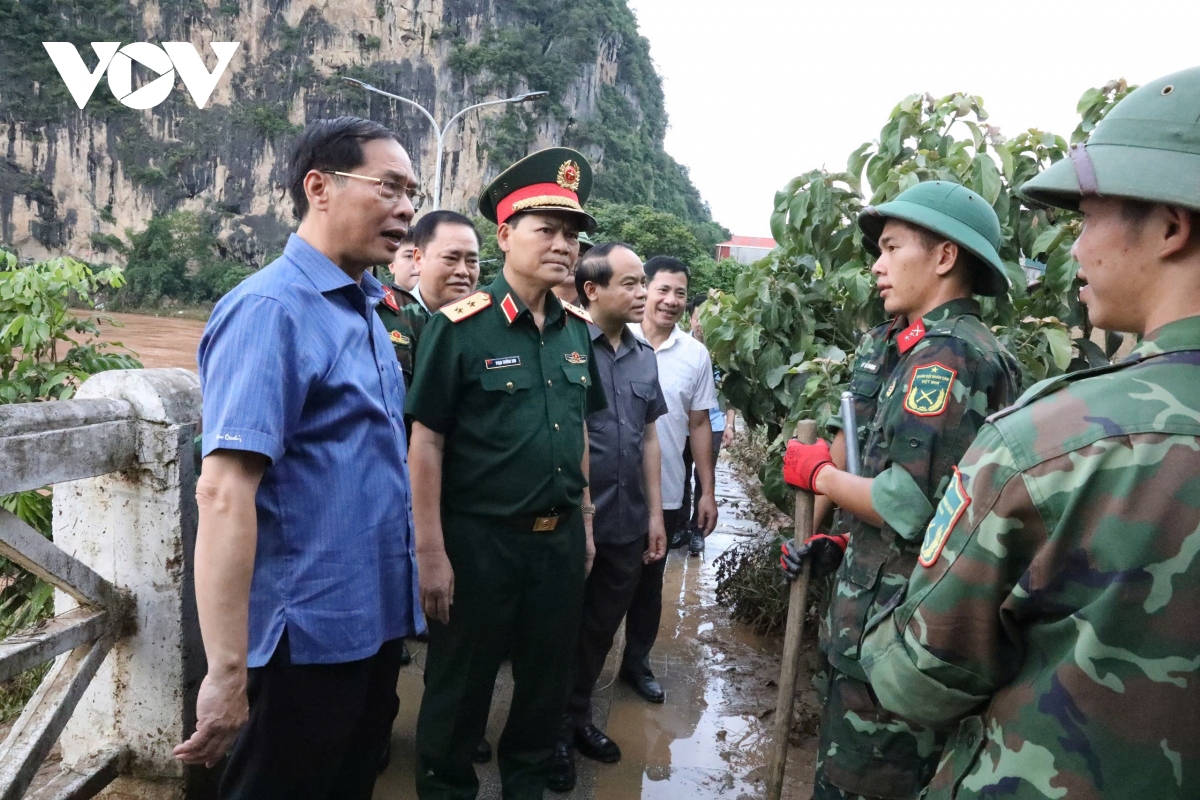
x: 137, y: 528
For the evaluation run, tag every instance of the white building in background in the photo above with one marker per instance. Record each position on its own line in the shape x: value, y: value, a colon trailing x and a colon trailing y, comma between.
x: 745, y: 249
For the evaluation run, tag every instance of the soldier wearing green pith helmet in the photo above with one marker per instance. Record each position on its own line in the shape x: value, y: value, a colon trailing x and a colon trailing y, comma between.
x: 922, y: 384
x: 1052, y: 623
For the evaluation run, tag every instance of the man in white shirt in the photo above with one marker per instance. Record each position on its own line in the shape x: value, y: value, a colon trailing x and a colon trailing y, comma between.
x: 685, y: 374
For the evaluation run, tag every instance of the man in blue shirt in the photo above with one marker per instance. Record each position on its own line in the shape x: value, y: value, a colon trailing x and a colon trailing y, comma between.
x: 305, y: 569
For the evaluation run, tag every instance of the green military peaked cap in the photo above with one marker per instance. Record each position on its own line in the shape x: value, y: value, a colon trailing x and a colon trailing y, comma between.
x: 1147, y: 148
x: 949, y: 210
x: 556, y: 179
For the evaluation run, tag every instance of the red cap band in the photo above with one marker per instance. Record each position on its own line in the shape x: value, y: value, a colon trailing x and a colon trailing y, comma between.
x: 539, y: 195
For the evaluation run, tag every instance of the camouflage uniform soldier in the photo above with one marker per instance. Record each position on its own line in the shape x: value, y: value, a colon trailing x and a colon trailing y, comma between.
x: 1053, y: 618
x: 923, y: 385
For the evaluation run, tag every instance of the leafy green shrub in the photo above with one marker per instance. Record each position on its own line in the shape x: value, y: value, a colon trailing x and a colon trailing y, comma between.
x: 36, y: 321
x: 786, y: 334
x: 176, y: 257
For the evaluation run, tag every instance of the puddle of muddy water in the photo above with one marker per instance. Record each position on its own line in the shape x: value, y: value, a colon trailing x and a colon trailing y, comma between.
x: 708, y: 740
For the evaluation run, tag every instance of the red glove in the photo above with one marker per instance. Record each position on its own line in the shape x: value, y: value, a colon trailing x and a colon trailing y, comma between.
x: 802, y: 462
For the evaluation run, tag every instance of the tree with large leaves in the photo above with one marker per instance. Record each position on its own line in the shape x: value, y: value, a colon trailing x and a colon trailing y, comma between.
x: 786, y: 334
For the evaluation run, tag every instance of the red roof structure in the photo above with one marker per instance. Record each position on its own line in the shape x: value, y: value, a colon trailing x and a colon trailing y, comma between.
x: 745, y: 249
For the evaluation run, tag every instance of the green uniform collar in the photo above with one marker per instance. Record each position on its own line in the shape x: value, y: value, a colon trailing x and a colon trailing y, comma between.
x: 958, y: 307
x: 511, y: 307
x: 1182, y: 334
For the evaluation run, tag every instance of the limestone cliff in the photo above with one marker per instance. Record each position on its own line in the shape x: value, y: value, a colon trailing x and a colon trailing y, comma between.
x: 71, y: 178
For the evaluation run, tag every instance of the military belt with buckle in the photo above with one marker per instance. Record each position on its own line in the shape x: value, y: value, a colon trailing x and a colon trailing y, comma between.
x: 543, y: 522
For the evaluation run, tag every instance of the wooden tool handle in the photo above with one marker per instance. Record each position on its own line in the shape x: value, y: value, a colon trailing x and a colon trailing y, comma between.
x: 806, y: 432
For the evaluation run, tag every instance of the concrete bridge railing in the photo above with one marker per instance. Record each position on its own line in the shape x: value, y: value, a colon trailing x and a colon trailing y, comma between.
x: 124, y: 635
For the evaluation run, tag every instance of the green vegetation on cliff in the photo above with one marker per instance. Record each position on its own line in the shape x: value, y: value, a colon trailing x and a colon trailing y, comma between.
x: 176, y: 153
x: 548, y: 45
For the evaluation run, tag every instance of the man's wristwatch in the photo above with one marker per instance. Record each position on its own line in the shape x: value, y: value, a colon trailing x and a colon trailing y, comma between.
x: 589, y: 509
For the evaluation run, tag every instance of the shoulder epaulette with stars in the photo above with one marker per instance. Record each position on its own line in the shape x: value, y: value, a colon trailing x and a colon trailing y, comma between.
x: 468, y: 306
x: 577, y: 311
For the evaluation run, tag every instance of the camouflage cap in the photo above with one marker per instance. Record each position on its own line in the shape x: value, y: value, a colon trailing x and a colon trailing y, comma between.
x: 949, y: 210
x: 557, y: 179
x: 1147, y: 148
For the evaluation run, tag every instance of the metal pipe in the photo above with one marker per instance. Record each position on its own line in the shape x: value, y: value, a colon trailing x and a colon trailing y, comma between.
x: 850, y: 429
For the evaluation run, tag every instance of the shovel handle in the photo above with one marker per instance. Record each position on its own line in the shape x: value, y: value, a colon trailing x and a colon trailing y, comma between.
x: 806, y: 432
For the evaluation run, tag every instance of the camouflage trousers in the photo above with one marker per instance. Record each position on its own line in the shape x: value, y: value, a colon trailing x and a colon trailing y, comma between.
x: 867, y: 752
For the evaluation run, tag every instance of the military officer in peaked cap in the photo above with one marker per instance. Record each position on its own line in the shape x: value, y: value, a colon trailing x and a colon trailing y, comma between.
x: 923, y: 384
x: 1052, y: 621
x: 503, y: 382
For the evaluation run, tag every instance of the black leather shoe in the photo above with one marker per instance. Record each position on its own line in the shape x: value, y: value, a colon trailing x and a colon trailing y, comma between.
x: 678, y: 539
x: 405, y: 656
x: 483, y: 752
x: 646, y: 686
x: 696, y: 545
x: 560, y: 770
x: 590, y: 741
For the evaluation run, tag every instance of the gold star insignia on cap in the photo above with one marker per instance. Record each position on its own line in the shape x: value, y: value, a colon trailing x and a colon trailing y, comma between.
x: 568, y: 176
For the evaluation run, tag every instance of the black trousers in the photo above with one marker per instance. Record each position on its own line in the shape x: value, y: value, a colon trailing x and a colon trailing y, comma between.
x: 316, y: 731
x: 616, y: 574
x: 691, y: 480
x: 645, y: 609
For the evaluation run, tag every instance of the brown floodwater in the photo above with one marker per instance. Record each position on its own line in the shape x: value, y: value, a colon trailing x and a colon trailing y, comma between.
x: 157, y: 341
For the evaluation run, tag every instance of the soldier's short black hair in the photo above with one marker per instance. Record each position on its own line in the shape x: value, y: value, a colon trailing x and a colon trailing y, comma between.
x: 666, y: 264
x: 595, y: 267
x: 425, y: 231
x: 329, y: 144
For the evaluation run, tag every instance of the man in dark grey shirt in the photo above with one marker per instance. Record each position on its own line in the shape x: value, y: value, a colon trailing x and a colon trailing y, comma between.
x: 625, y: 483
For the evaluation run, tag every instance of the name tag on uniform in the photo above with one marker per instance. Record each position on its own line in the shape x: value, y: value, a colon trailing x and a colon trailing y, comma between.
x: 871, y: 367
x: 501, y: 363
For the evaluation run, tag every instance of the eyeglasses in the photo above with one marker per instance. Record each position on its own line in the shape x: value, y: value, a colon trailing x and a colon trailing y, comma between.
x: 389, y: 190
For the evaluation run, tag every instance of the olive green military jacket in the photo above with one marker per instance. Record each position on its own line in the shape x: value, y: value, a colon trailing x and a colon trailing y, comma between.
x: 510, y: 400
x: 921, y: 394
x: 404, y: 317
x: 1055, y: 611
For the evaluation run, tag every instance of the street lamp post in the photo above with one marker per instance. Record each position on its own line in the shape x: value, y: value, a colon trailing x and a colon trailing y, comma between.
x: 442, y: 131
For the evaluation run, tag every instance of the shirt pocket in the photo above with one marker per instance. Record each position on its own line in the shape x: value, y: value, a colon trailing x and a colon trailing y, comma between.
x: 577, y: 387
x: 507, y: 380
x: 643, y: 397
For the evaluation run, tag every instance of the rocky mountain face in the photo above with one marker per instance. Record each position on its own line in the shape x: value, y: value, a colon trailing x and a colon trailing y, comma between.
x: 72, y: 179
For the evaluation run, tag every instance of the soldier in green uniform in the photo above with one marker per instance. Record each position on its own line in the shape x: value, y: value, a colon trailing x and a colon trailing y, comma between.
x: 923, y: 384
x: 1052, y: 622
x: 446, y: 253
x: 503, y: 383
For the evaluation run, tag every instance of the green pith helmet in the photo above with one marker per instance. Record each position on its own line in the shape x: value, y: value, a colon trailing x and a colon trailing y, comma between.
x: 585, y: 243
x: 949, y: 210
x: 556, y: 179
x: 1147, y: 148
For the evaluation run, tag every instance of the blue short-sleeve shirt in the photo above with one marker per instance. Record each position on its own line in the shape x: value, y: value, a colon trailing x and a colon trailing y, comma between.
x: 295, y: 365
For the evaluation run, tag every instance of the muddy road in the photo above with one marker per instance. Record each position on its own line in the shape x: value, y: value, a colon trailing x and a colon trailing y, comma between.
x: 710, y: 738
